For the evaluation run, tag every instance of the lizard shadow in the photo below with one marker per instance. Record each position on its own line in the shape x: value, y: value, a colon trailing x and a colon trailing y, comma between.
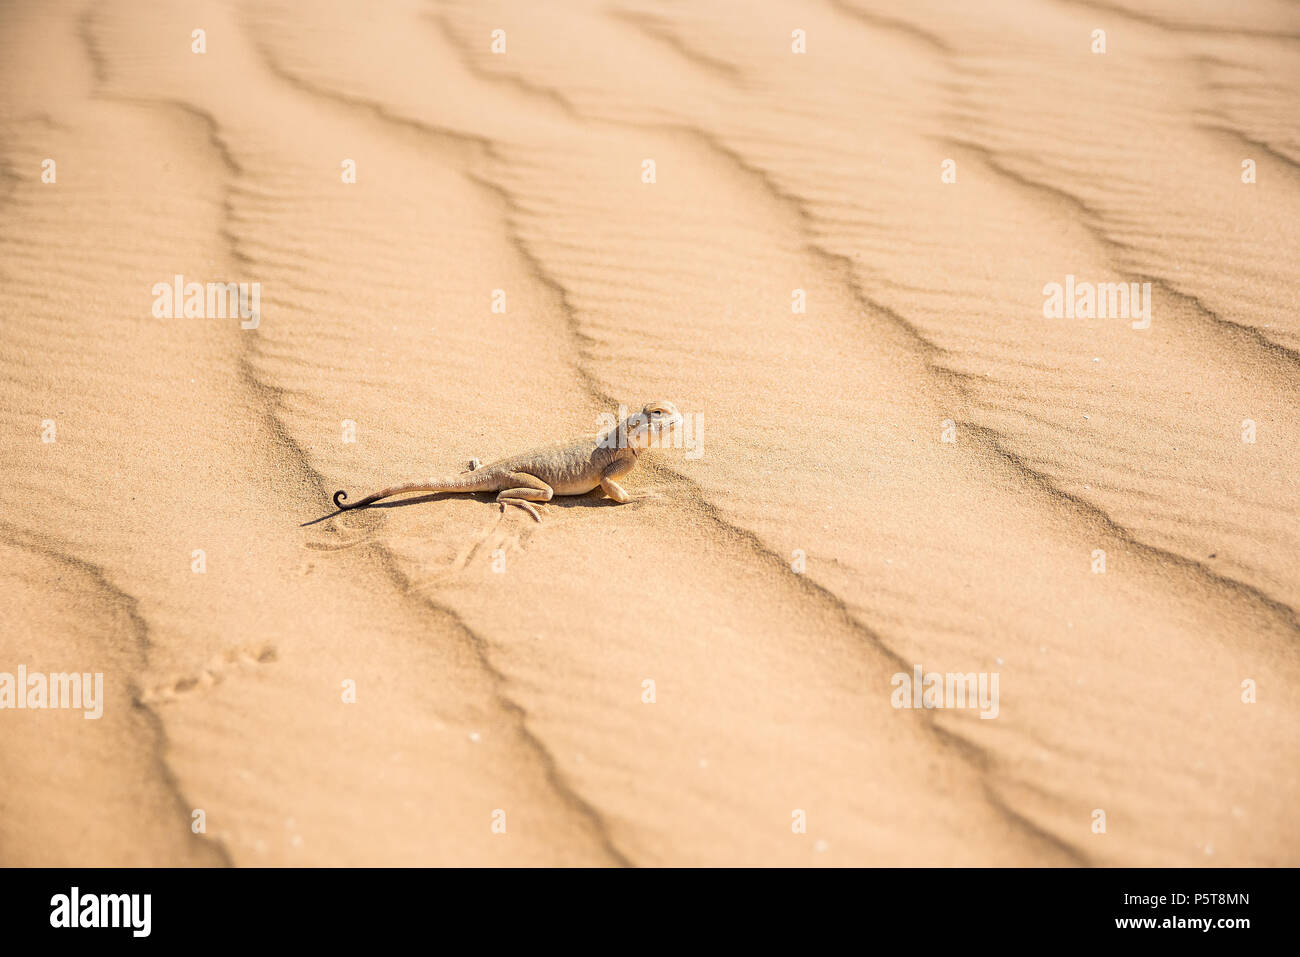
x: 593, y: 499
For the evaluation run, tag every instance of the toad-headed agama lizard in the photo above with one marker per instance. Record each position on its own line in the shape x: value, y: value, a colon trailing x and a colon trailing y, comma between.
x: 572, y: 468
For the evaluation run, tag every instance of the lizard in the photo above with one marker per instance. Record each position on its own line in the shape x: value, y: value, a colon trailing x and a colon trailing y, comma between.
x: 572, y: 468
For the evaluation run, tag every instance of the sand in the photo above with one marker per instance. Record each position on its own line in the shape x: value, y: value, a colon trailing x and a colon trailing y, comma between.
x: 918, y: 469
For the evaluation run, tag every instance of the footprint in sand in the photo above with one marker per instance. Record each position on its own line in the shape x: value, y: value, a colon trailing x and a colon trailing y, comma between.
x: 213, y: 673
x: 501, y: 534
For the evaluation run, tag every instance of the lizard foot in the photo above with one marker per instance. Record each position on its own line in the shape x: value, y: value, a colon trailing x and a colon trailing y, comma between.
x: 526, y: 506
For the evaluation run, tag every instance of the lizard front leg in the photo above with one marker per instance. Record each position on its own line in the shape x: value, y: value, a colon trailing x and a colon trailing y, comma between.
x: 617, y: 469
x: 523, y: 489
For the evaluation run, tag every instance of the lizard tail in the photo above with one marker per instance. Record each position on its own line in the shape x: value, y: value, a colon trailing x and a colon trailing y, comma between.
x: 339, y: 496
x: 445, y: 485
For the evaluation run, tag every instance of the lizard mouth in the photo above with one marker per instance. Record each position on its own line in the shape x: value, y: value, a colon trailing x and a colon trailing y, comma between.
x: 658, y: 428
x: 668, y: 427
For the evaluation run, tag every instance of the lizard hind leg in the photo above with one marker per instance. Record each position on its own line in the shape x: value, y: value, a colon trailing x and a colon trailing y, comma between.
x: 525, y: 505
x: 525, y: 490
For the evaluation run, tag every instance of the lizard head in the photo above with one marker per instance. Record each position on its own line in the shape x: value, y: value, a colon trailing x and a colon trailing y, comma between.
x: 652, y: 425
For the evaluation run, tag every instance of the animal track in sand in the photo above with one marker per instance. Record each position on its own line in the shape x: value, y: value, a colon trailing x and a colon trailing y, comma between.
x: 348, y: 534
x: 501, y: 534
x: 213, y: 673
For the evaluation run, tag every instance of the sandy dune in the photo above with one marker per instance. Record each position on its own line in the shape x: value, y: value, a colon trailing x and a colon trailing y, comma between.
x: 941, y: 462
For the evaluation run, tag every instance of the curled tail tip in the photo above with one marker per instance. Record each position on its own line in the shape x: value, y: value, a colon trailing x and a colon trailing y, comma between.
x: 339, y: 496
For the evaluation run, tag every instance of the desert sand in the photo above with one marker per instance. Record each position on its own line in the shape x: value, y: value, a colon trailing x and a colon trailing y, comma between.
x: 916, y: 468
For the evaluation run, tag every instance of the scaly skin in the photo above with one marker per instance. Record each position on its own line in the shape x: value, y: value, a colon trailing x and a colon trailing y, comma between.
x: 574, y: 468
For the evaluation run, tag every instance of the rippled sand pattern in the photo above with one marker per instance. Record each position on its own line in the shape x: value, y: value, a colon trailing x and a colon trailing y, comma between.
x: 919, y: 469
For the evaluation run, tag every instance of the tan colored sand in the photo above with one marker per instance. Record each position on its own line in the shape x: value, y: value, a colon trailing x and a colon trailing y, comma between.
x: 521, y: 690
